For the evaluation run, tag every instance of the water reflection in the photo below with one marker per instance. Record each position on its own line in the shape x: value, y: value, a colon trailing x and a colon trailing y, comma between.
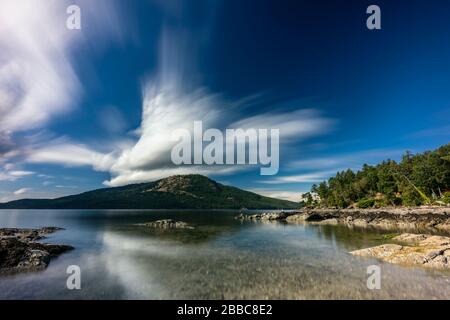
x: 220, y: 258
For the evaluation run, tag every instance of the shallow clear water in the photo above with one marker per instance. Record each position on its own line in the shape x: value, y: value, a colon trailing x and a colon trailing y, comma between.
x: 221, y: 258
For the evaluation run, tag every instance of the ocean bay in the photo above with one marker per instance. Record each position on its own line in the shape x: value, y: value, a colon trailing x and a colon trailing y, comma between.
x: 220, y: 258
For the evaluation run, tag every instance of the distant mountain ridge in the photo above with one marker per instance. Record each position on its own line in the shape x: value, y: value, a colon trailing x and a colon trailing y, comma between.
x: 174, y: 192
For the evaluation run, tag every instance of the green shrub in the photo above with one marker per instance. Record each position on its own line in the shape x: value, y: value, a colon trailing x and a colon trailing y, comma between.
x: 389, y: 236
x: 366, y: 203
x: 381, y: 203
x: 410, y: 197
x: 446, y: 197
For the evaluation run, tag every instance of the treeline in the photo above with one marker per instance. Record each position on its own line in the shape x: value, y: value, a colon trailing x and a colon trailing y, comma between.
x: 416, y: 180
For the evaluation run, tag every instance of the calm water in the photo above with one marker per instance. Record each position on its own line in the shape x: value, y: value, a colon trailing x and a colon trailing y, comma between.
x: 220, y: 258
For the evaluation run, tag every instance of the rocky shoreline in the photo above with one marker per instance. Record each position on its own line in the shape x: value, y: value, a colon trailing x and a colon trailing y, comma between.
x: 437, y: 218
x: 412, y: 250
x: 424, y: 250
x: 19, y: 251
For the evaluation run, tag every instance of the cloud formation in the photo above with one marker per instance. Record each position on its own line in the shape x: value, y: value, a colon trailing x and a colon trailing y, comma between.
x: 171, y: 100
x: 37, y: 76
x: 13, y: 175
x: 278, y: 194
x: 312, y: 177
x: 38, y: 81
x: 21, y: 191
x: 316, y: 170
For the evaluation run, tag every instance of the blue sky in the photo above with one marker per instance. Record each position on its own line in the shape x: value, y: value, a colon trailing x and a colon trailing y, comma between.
x: 85, y: 109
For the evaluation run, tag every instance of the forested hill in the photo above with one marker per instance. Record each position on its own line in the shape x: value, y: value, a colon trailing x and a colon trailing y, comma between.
x: 422, y: 178
x: 175, y: 192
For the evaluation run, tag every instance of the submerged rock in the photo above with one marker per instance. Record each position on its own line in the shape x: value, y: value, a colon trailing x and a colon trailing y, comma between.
x: 413, y: 250
x: 168, y: 224
x: 19, y: 252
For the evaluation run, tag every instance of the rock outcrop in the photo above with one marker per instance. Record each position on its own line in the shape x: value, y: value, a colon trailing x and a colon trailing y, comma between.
x: 20, y: 253
x: 312, y: 217
x: 388, y: 218
x: 413, y: 250
x: 168, y: 224
x: 268, y: 216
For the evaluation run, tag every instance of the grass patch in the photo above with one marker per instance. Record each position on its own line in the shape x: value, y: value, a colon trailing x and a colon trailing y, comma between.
x: 389, y: 236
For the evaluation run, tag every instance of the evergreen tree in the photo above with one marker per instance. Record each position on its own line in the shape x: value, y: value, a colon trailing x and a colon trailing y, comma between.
x: 415, y: 180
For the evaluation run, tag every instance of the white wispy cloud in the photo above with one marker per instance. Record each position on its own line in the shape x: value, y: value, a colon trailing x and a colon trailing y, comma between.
x: 352, y: 160
x: 135, y: 176
x: 38, y: 80
x: 21, y: 191
x: 21, y: 173
x: 279, y: 194
x: 32, y: 193
x: 170, y: 101
x: 315, y: 170
x: 65, y: 187
x: 6, y: 177
x: 433, y: 132
x: 298, y: 124
x: 312, y: 177
x: 69, y: 154
x: 14, y: 175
